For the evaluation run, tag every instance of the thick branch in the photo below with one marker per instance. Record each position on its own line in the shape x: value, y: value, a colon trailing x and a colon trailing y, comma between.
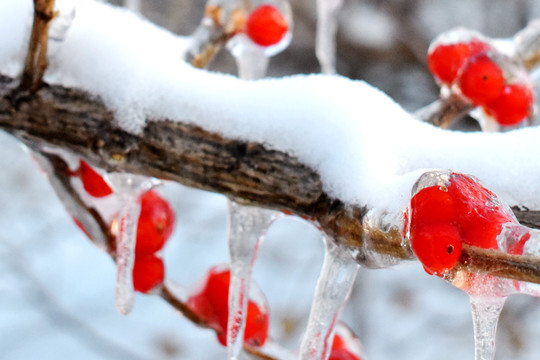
x: 248, y: 172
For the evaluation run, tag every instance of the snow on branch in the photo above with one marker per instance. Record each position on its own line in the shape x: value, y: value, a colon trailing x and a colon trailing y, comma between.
x: 330, y: 149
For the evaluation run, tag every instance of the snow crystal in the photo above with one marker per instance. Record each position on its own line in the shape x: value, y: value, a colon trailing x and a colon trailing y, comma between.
x: 365, y: 147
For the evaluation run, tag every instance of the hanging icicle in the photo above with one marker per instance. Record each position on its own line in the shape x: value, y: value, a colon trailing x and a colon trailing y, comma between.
x: 128, y: 188
x: 325, y: 44
x: 333, y: 287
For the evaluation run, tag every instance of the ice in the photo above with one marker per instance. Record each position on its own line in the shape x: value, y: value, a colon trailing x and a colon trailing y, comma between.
x: 247, y: 226
x: 325, y: 45
x: 485, y: 313
x: 133, y: 5
x: 128, y: 188
x: 59, y: 27
x: 333, y: 287
x: 251, y: 60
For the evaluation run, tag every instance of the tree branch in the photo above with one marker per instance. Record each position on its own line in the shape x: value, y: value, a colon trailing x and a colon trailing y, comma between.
x: 247, y: 172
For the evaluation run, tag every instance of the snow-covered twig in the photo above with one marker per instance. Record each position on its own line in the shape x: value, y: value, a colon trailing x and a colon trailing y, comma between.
x: 248, y: 172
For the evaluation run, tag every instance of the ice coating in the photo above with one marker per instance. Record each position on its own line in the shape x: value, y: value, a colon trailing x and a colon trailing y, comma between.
x: 333, y: 287
x: 325, y: 43
x: 128, y: 188
x: 485, y: 313
x: 247, y: 226
x: 251, y: 60
x: 366, y: 148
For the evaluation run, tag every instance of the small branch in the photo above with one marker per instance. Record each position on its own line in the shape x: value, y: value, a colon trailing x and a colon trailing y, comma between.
x: 36, y: 58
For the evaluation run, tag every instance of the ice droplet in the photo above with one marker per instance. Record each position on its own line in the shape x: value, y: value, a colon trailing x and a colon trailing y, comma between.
x: 333, y: 287
x: 247, y: 227
x: 128, y: 188
x: 485, y: 314
x: 325, y: 44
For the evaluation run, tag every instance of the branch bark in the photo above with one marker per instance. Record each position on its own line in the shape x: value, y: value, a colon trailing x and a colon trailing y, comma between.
x: 246, y: 172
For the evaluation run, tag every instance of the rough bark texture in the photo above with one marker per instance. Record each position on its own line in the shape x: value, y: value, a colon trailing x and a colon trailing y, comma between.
x: 247, y: 172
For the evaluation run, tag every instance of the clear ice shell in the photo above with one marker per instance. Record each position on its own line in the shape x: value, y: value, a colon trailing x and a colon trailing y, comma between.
x: 128, y: 188
x: 333, y: 287
x: 60, y: 25
x: 247, y: 227
x: 485, y: 314
x: 325, y: 43
x: 251, y: 59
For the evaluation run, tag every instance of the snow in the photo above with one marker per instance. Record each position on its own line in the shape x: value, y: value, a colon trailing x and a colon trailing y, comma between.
x: 365, y: 147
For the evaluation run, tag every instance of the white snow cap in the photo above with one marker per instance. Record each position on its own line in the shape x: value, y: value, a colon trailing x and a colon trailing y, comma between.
x: 365, y: 147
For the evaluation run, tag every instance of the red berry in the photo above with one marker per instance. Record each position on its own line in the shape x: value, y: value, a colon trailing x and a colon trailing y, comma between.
x: 437, y: 246
x: 339, y: 350
x: 446, y: 60
x: 512, y: 105
x: 211, y: 304
x: 266, y: 25
x: 93, y: 183
x: 156, y: 223
x: 481, y: 80
x: 148, y: 272
x: 432, y: 205
x: 479, y: 215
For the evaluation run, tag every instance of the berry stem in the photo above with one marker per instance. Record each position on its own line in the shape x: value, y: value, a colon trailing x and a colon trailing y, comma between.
x: 444, y: 111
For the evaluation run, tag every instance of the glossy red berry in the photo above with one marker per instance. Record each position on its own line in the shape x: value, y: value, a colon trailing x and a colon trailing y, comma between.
x: 432, y: 205
x: 437, y: 246
x: 93, y: 183
x: 446, y: 60
x: 156, y: 223
x: 211, y: 304
x: 266, y: 25
x: 512, y: 105
x: 339, y: 350
x: 148, y: 272
x: 481, y: 80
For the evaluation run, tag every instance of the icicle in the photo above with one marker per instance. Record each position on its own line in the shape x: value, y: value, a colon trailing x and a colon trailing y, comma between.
x: 133, y: 5
x: 128, y: 188
x: 251, y: 60
x: 333, y: 287
x: 325, y: 45
x: 485, y: 313
x: 247, y: 226
x: 60, y: 25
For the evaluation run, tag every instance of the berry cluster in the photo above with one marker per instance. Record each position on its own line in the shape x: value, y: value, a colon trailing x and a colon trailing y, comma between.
x: 155, y: 226
x: 266, y: 25
x: 455, y: 210
x: 211, y: 303
x: 483, y: 75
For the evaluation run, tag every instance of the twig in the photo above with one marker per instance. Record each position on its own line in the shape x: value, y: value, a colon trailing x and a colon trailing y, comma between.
x: 36, y: 58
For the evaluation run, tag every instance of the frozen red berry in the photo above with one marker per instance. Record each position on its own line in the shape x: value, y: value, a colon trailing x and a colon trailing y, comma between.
x: 446, y: 60
x: 512, y: 105
x: 93, y: 183
x: 481, y: 80
x: 266, y: 25
x: 340, y: 351
x: 156, y: 223
x: 437, y: 246
x: 148, y: 272
x: 211, y: 304
x: 432, y: 204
